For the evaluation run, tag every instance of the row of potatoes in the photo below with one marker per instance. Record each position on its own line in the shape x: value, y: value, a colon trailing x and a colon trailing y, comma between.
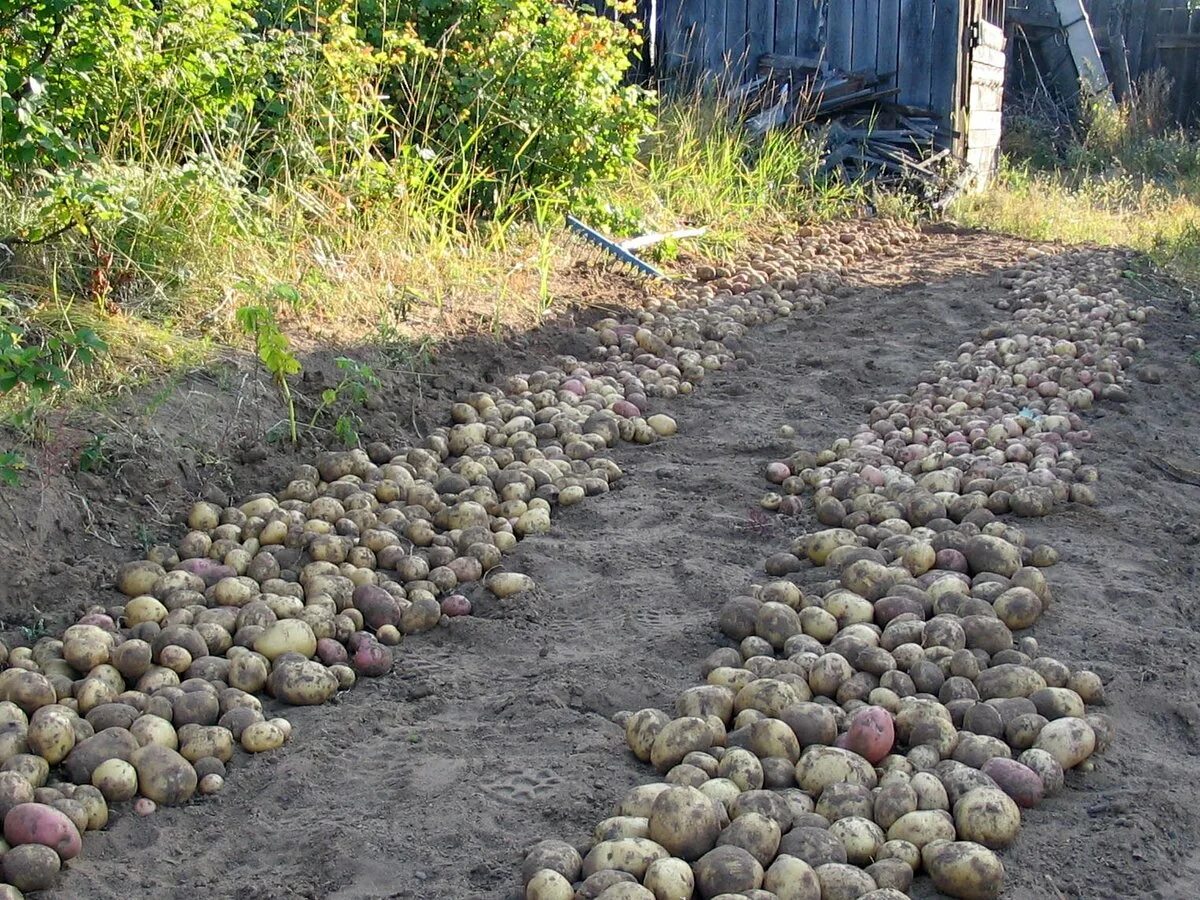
x: 886, y: 721
x: 294, y: 595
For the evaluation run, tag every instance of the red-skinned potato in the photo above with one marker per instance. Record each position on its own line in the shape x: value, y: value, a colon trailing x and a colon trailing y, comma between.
x: 372, y: 659
x: 872, y: 734
x: 37, y: 823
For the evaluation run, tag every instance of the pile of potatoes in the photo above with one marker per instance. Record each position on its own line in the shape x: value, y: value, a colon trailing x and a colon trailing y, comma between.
x: 996, y: 430
x: 890, y: 719
x: 296, y: 594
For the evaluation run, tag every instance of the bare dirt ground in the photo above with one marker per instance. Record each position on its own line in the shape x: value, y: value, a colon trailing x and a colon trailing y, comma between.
x: 495, y: 732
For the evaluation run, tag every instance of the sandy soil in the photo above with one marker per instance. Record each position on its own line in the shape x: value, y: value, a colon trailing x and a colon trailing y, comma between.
x: 495, y: 732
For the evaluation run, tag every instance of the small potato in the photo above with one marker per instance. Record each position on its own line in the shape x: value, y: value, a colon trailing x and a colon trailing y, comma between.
x: 32, y: 768
x: 813, y: 846
x: 790, y: 878
x: 1058, y: 703
x: 743, y: 768
x: 861, y: 837
x: 904, y: 851
x: 116, y: 779
x: 987, y: 816
x: 670, y: 879
x: 966, y: 870
x: 891, y: 873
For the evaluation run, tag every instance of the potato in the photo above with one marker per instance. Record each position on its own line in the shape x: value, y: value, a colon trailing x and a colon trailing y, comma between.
x: 922, y: 827
x: 632, y: 855
x: 820, y: 767
x: 1020, y: 782
x: 769, y: 696
x: 86, y: 646
x: 32, y: 768
x: 891, y: 873
x: 814, y: 846
x: 790, y: 878
x: 843, y: 882
x: 94, y: 803
x: 643, y: 727
x: 30, y: 867
x: 871, y: 734
x: 509, y: 584
x: 906, y: 852
x: 1070, y: 741
x: 639, y: 800
x: 617, y: 827
x: 670, y: 879
x: 546, y: 884
x: 987, y: 816
x: 811, y: 723
x: 1047, y: 769
x: 861, y: 837
x: 286, y: 636
x: 987, y: 553
x: 727, y: 870
x: 966, y: 870
x: 742, y: 768
x: 73, y: 810
x: 116, y: 780
x: 677, y: 739
x: 1008, y: 680
x: 111, y: 743
x: 304, y: 683
x: 30, y: 691
x: 1088, y: 686
x: 199, y: 741
x: 755, y: 833
x: 891, y: 802
x: 774, y: 738
x: 684, y: 822
x: 135, y: 579
x: 1018, y: 608
x: 260, y: 737
x: 164, y: 776
x: 14, y: 790
x: 37, y: 823
x: 133, y: 658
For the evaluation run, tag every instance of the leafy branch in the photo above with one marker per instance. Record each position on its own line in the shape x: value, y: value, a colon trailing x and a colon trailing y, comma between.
x: 274, y: 350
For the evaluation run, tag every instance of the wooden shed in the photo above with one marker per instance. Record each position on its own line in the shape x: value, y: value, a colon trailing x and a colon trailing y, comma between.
x: 944, y: 56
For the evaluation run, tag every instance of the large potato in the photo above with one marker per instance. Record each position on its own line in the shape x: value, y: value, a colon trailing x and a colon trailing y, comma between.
x: 37, y: 823
x: 287, y: 636
x: 922, y: 827
x: 30, y: 867
x: 1017, y: 780
x: 966, y: 870
x: 684, y: 822
x: 987, y: 816
x: 1070, y: 741
x: 302, y: 683
x: 163, y: 775
x: 820, y: 767
x: 644, y: 726
x: 843, y: 882
x: 814, y: 846
x: 861, y: 837
x: 112, y: 743
x: 639, y: 800
x: 50, y: 733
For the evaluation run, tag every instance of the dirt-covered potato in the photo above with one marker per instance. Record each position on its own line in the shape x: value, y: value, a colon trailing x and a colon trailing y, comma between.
x: 617, y: 827
x: 813, y: 845
x: 820, y: 767
x: 891, y: 873
x: 966, y: 870
x: 626, y: 891
x: 906, y: 852
x: 1008, y: 680
x: 1046, y: 767
x: 112, y: 743
x: 94, y: 804
x: 1070, y: 741
x: 684, y: 822
x: 843, y: 882
x: 812, y: 723
x: 199, y: 741
x: 116, y: 779
x: 892, y: 801
x: 640, y: 800
x: 558, y: 856
x: 302, y: 683
x: 30, y: 867
x: 755, y: 833
x: 790, y: 878
x: 1020, y: 782
x: 922, y: 827
x: 861, y: 837
x: 741, y: 767
x: 987, y: 816
x: 632, y: 855
x: 670, y: 879
x: 677, y: 739
x: 163, y: 775
x: 727, y: 870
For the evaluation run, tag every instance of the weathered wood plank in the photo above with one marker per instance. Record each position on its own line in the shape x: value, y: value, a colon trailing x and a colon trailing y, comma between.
x: 946, y: 42
x: 888, y: 42
x: 786, y: 21
x: 810, y: 25
x: 914, y: 77
x: 1135, y: 25
x: 760, y: 22
x: 865, y: 36
x: 840, y: 40
x: 737, y: 44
